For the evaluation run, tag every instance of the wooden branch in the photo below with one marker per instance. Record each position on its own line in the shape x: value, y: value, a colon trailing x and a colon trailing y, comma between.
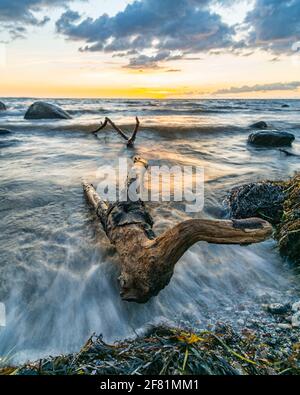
x: 109, y: 121
x: 133, y: 137
x: 130, y: 141
x: 121, y: 133
x: 176, y: 241
x: 102, y: 126
x: 146, y: 261
x: 99, y: 205
x: 135, y: 178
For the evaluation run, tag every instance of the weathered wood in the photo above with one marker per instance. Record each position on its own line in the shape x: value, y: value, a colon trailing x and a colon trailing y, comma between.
x: 133, y: 137
x: 130, y: 141
x: 95, y: 201
x: 146, y: 261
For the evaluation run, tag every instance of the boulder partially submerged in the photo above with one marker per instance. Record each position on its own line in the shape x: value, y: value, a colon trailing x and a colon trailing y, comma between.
x: 262, y: 199
x: 288, y: 231
x: 42, y: 110
x: 4, y: 132
x: 271, y: 138
x: 279, y: 203
x: 2, y: 106
x: 259, y: 125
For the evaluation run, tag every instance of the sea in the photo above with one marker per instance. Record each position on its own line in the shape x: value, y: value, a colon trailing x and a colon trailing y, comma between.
x: 58, y: 271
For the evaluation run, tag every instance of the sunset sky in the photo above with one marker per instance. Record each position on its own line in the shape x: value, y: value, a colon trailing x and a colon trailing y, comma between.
x: 150, y: 48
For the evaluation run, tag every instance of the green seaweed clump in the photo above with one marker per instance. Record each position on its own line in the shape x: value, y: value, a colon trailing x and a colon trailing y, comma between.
x: 288, y: 230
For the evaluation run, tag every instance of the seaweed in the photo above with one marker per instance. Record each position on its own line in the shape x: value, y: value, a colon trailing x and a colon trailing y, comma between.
x: 288, y: 230
x: 172, y: 351
x: 277, y: 202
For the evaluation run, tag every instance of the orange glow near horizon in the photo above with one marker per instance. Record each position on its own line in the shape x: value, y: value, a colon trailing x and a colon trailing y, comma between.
x: 79, y: 75
x: 90, y: 92
x: 52, y: 91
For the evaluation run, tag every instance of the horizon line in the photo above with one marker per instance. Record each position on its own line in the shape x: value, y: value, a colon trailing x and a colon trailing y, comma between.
x: 147, y: 98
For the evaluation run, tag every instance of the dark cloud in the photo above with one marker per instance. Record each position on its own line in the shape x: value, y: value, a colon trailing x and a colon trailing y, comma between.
x: 274, y: 25
x: 288, y: 86
x: 150, y: 32
x: 144, y: 61
x: 173, y: 71
x: 159, y: 30
x: 16, y: 14
x: 17, y: 32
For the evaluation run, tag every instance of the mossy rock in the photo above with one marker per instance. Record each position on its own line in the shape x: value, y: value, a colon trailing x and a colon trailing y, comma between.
x: 263, y: 199
x: 288, y: 231
x: 277, y: 202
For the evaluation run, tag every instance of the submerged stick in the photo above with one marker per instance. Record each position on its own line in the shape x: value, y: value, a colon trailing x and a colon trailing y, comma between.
x: 288, y: 153
x: 133, y: 137
x: 147, y: 261
x: 131, y: 140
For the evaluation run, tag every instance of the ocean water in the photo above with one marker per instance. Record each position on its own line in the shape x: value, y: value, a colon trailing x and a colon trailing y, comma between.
x: 58, y: 272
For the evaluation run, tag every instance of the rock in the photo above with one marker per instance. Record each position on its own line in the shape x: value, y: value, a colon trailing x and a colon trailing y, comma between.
x: 296, y: 320
x: 288, y: 231
x: 277, y: 202
x: 42, y: 110
x: 296, y: 307
x: 240, y: 322
x: 271, y: 138
x: 2, y: 106
x: 285, y: 106
x: 284, y: 326
x: 4, y: 132
x: 259, y: 125
x: 278, y: 308
x: 245, y: 312
x: 264, y: 200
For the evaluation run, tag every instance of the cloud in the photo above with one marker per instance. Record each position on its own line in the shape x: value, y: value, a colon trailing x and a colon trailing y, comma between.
x: 288, y: 86
x: 16, y: 14
x: 144, y: 61
x: 173, y: 71
x: 159, y: 30
x: 274, y: 25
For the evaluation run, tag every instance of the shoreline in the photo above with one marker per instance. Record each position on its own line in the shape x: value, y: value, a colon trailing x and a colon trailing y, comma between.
x: 255, y: 350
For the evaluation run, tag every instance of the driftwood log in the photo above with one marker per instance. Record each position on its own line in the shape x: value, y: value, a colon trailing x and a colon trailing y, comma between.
x: 147, y: 261
x: 129, y: 140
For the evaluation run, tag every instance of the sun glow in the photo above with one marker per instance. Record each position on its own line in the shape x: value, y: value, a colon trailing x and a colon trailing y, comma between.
x: 44, y: 64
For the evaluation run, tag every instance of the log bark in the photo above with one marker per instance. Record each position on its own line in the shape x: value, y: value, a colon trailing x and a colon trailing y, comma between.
x: 147, y: 261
